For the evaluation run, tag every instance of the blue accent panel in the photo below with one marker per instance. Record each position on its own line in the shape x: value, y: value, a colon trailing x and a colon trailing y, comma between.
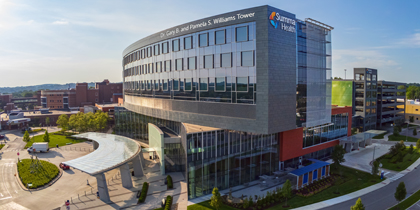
x: 309, y: 168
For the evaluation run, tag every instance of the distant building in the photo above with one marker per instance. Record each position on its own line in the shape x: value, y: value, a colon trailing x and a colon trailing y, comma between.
x: 81, y: 96
x: 412, y: 108
x: 375, y: 102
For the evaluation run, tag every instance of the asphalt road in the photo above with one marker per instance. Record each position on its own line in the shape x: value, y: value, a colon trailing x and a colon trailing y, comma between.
x: 383, y: 198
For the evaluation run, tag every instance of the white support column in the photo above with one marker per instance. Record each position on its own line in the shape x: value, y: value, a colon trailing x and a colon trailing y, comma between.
x: 138, y: 166
x: 102, y: 187
x: 126, y: 176
x: 95, y: 145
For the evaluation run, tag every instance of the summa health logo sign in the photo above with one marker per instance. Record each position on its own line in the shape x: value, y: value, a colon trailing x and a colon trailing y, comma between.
x: 287, y: 24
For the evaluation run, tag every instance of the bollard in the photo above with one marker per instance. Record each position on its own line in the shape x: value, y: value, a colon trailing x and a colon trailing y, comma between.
x: 71, y: 198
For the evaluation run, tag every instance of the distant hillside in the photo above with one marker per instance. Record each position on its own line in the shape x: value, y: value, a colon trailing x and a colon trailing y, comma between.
x: 40, y: 87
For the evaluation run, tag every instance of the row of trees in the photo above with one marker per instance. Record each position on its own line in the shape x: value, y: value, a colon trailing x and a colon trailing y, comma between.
x: 82, y: 122
x: 26, y: 137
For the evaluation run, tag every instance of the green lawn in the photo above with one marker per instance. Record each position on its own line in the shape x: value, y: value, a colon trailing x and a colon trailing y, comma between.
x: 205, y: 205
x: 350, y: 183
x: 2, y: 145
x: 407, y: 202
x: 399, y: 166
x: 380, y: 136
x: 54, y: 139
x: 401, y: 137
x: 42, y: 176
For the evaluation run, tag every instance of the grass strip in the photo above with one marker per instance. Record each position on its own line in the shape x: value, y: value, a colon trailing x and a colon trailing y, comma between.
x: 407, y: 202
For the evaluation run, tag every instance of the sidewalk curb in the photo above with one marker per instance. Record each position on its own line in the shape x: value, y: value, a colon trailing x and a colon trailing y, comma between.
x: 40, y: 188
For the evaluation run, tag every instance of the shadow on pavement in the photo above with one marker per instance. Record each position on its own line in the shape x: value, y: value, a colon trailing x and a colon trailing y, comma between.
x: 69, y: 171
x: 50, y: 154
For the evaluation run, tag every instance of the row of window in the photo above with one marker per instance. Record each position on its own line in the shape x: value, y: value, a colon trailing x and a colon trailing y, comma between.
x: 203, y: 84
x: 241, y: 35
x: 247, y: 59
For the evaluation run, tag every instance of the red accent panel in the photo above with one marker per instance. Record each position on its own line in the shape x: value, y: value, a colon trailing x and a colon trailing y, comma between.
x: 291, y: 141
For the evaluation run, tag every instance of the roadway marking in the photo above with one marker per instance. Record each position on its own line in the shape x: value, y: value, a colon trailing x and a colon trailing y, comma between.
x: 386, y: 173
x: 4, y: 184
x: 5, y: 198
x: 397, y: 176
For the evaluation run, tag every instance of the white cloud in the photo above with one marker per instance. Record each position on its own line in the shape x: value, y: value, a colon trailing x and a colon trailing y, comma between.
x: 60, y: 22
x: 411, y: 41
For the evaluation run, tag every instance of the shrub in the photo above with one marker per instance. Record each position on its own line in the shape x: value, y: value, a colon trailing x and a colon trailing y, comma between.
x: 143, y: 195
x: 168, y: 203
x: 170, y: 183
x: 411, y: 149
x: 42, y: 176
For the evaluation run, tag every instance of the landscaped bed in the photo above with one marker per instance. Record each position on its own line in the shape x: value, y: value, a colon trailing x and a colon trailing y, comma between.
x: 401, y: 137
x: 393, y: 162
x: 42, y: 174
x: 2, y: 145
x: 350, y: 181
x: 407, y: 202
x: 55, y: 138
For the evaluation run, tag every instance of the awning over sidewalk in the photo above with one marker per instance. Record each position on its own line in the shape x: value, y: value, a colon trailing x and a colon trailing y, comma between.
x: 315, y: 165
x: 360, y: 137
x: 113, y: 151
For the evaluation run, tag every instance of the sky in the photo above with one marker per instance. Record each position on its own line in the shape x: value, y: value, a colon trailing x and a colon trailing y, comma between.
x: 82, y: 40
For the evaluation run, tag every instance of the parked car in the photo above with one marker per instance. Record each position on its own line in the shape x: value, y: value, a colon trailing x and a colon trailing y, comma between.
x: 64, y: 166
x: 1, y: 136
x: 26, y: 129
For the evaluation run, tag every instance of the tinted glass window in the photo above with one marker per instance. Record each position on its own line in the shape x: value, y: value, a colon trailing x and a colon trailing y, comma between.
x: 156, y: 85
x: 149, y: 86
x: 165, y: 47
x: 149, y: 52
x: 175, y: 84
x: 191, y: 63
x: 220, y: 84
x: 242, y: 84
x: 157, y: 50
x: 247, y: 58
x: 226, y: 60
x: 242, y: 34
x: 178, y: 64
x: 208, y: 61
x: 188, y: 42
x: 203, y: 84
x: 188, y: 84
x: 142, y: 85
x: 168, y: 65
x: 165, y: 84
x: 158, y: 66
x: 175, y: 45
x: 204, y: 40
x: 220, y: 37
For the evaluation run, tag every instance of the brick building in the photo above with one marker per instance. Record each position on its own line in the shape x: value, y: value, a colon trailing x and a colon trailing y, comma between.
x: 81, y: 96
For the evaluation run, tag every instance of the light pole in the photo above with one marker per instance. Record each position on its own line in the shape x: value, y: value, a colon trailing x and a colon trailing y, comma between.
x: 373, y: 159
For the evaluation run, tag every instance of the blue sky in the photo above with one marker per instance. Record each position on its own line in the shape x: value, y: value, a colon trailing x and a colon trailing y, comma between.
x: 82, y: 41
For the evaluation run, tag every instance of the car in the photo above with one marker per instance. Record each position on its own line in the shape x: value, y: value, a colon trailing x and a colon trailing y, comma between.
x: 64, y: 166
x: 1, y: 136
x: 26, y: 129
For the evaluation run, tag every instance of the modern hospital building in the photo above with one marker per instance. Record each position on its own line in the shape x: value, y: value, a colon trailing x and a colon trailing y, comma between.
x: 228, y: 98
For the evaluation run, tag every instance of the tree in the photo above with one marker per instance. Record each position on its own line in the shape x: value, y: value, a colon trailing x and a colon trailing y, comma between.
x: 216, y: 200
x: 338, y: 155
x: 401, y: 192
x: 358, y: 206
x: 101, y: 120
x: 26, y: 137
x: 411, y: 119
x: 63, y: 122
x: 396, y: 131
x: 338, y: 78
x: 46, y: 137
x: 287, y: 190
x: 47, y: 121
x: 411, y: 149
x: 418, y: 144
x: 245, y: 205
x: 414, y: 132
x: 413, y: 92
x: 375, y: 168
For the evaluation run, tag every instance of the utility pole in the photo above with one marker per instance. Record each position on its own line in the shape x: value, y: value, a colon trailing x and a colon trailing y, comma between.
x: 345, y: 71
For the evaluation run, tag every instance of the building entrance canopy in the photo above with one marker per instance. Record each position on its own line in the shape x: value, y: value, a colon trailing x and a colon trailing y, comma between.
x: 113, y: 151
x: 360, y: 137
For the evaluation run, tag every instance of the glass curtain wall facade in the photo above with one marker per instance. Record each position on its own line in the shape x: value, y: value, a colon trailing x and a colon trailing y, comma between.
x: 225, y: 158
x: 321, y: 134
x: 216, y: 65
x: 313, y: 75
x: 135, y: 125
